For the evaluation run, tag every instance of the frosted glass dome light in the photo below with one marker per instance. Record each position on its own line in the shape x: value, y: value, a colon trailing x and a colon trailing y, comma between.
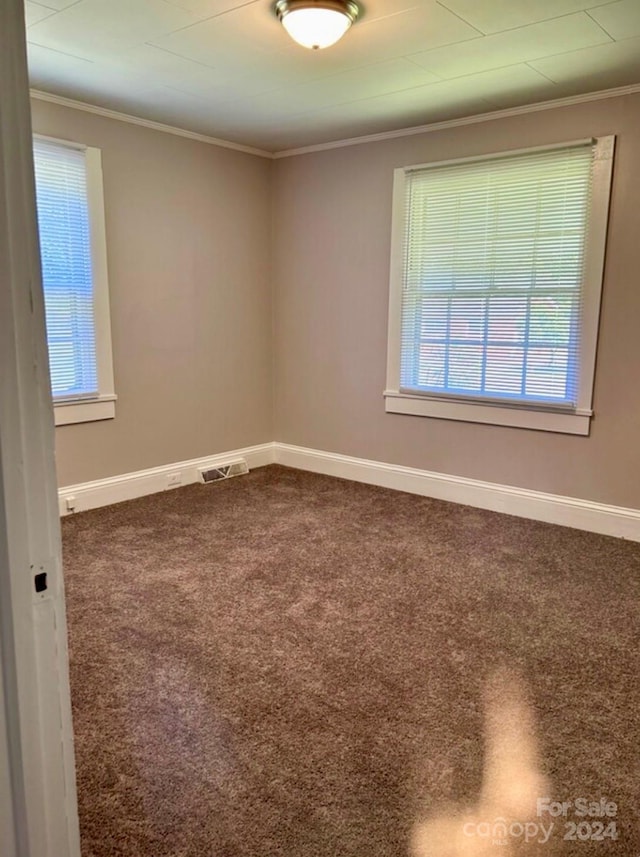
x: 316, y: 23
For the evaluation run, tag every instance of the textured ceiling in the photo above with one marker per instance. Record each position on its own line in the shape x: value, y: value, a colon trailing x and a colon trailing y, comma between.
x: 226, y: 68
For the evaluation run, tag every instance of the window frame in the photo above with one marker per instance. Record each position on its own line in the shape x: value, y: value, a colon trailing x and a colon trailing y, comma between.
x: 507, y: 413
x: 81, y: 409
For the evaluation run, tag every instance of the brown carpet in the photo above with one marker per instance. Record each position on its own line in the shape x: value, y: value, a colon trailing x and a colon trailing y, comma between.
x: 291, y: 664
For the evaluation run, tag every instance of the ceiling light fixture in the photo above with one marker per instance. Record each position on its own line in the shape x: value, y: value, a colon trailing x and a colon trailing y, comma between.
x: 316, y: 23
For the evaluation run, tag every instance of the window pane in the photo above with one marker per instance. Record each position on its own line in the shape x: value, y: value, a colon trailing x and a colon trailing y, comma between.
x: 507, y: 319
x: 467, y: 318
x: 551, y: 319
x: 434, y: 318
x: 504, y: 371
x: 431, y: 366
x: 465, y: 368
x: 547, y: 373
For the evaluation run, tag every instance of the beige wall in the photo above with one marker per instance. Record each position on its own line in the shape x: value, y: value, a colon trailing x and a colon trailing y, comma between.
x: 199, y: 322
x: 188, y: 229
x: 332, y: 212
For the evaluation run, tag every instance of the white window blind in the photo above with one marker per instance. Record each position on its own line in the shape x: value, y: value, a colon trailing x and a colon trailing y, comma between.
x: 65, y: 247
x: 493, y: 262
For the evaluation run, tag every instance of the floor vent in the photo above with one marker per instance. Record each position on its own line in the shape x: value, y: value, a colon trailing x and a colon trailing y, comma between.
x: 224, y: 471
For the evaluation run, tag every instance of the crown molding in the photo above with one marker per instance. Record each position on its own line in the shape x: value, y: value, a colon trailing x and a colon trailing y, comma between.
x: 617, y: 92
x: 464, y: 120
x: 39, y: 95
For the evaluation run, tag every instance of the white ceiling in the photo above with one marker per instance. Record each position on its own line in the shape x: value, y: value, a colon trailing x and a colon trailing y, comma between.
x: 226, y: 68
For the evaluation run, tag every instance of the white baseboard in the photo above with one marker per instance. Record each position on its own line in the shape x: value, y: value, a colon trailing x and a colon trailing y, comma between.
x: 552, y: 508
x: 128, y: 486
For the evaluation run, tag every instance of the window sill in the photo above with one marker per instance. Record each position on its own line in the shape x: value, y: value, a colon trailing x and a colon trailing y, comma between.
x: 497, y: 415
x: 67, y: 413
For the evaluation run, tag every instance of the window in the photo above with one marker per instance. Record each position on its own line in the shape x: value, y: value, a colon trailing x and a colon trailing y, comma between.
x: 74, y: 275
x: 496, y: 276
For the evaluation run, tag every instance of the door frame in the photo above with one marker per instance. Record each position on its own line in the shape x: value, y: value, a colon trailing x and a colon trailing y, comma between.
x: 37, y: 770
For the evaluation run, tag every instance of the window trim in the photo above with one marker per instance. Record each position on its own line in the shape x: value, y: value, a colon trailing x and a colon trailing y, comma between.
x: 101, y: 407
x: 556, y: 419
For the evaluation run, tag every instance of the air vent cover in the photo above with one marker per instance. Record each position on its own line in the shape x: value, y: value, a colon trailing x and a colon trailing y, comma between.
x: 224, y: 471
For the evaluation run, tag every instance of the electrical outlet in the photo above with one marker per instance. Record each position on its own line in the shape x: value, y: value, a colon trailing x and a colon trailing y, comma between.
x: 174, y: 480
